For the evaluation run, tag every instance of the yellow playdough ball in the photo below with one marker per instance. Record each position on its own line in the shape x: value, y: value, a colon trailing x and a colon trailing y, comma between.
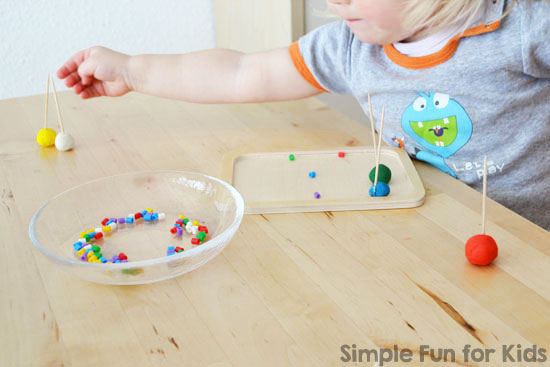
x: 46, y: 137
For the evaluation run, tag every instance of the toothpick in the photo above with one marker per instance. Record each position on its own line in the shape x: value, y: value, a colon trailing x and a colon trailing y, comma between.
x: 373, y: 133
x: 378, y: 148
x: 47, y: 95
x: 483, y: 199
x: 57, y: 106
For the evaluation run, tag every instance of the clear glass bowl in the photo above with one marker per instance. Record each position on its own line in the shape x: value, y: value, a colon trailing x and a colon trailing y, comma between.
x: 58, y: 224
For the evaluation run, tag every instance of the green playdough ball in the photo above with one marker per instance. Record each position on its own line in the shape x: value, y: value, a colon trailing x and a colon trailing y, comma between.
x: 384, y: 174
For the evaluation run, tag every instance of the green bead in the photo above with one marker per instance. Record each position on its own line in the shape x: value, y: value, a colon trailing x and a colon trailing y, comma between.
x: 291, y: 157
x: 87, y: 237
x: 201, y: 236
x: 98, y: 255
x: 384, y: 174
x: 96, y: 248
x: 185, y: 221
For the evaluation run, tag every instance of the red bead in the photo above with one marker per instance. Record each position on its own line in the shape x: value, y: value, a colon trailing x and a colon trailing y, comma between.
x: 195, y: 241
x: 203, y: 229
x: 481, y: 249
x: 137, y: 215
x: 173, y: 230
x: 178, y: 249
x: 341, y: 154
x: 98, y: 235
x: 122, y: 256
x: 104, y: 221
x: 180, y: 221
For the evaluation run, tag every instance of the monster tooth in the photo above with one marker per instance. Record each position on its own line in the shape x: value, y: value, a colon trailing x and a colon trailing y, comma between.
x: 420, y: 124
x: 446, y: 120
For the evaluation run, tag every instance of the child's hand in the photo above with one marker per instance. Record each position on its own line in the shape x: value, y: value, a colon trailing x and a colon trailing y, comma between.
x: 95, y: 72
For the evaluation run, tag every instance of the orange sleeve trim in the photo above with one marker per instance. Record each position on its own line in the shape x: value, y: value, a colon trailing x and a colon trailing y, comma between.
x: 302, y: 68
x: 440, y: 56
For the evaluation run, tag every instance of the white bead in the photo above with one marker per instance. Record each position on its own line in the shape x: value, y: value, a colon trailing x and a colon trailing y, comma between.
x: 194, y: 229
x: 162, y: 216
x: 113, y: 226
x: 82, y: 241
x: 87, y: 247
x: 98, y: 230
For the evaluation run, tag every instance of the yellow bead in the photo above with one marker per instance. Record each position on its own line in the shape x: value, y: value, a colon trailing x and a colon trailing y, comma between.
x: 82, y: 234
x: 90, y: 231
x: 92, y: 258
x: 81, y: 252
x: 106, y: 229
x: 46, y: 137
x: 196, y: 223
x: 149, y: 210
x: 182, y: 217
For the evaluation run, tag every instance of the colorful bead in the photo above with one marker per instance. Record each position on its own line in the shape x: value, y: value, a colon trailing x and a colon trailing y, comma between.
x: 312, y: 174
x: 104, y: 221
x: 162, y: 216
x: 96, y: 248
x: 291, y: 157
x: 77, y: 246
x: 203, y: 229
x: 201, y: 236
x: 179, y: 231
x: 196, y: 223
x: 138, y: 215
x: 143, y: 212
x: 113, y: 226
x: 154, y: 216
x: 81, y: 252
x: 181, y: 216
x: 97, y: 230
x: 179, y: 249
x: 185, y: 221
x: 195, y: 241
x: 129, y: 219
x: 121, y: 220
x: 147, y: 217
x: 149, y: 210
x: 87, y: 237
x: 316, y: 195
x: 341, y: 154
x: 106, y: 229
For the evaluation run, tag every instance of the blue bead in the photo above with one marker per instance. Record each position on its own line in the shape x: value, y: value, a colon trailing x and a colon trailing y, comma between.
x: 91, y: 234
x: 177, y: 225
x: 312, y: 174
x: 117, y: 261
x: 147, y: 217
x: 108, y: 222
x: 155, y: 216
x: 382, y: 189
x: 103, y: 260
x: 130, y: 220
x: 144, y: 212
x: 77, y: 246
x: 171, y: 248
x: 169, y: 253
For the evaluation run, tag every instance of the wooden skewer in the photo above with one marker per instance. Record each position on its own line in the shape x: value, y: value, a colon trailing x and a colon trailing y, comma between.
x: 372, y: 125
x: 483, y: 199
x: 378, y: 148
x: 57, y: 106
x: 46, y: 109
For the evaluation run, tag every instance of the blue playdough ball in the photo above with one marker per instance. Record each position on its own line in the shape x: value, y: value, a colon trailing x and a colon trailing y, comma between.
x: 382, y: 189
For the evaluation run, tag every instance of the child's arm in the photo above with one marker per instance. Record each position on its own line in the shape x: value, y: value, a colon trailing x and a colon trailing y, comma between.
x: 212, y: 76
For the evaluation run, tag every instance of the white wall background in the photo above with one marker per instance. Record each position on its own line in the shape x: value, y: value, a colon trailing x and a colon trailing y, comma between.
x: 38, y: 36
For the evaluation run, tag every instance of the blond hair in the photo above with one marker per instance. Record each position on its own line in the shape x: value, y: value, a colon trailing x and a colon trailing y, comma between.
x: 423, y: 17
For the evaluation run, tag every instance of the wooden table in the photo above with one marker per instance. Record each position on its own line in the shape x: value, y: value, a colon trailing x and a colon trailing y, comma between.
x: 289, y: 290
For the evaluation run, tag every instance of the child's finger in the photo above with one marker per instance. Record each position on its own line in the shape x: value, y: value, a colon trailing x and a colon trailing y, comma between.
x: 72, y: 79
x: 86, y: 71
x: 71, y: 65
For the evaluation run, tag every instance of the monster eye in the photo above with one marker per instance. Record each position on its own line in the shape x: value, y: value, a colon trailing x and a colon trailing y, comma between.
x: 419, y: 104
x: 441, y: 100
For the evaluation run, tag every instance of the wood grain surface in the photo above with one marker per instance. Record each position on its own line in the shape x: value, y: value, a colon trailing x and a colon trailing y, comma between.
x: 290, y: 289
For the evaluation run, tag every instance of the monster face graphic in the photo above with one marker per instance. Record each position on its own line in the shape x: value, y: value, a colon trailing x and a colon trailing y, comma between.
x: 439, y: 124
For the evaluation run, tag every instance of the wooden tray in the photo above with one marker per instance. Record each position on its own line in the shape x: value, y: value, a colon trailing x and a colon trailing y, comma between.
x: 271, y: 183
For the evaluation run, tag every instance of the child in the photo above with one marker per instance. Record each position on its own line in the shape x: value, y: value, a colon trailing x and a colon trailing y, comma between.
x: 459, y: 78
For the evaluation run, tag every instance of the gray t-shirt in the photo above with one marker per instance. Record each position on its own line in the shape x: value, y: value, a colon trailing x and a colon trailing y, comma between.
x: 485, y: 93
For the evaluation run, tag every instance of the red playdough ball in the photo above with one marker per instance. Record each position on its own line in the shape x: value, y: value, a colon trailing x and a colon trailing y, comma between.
x: 481, y: 249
